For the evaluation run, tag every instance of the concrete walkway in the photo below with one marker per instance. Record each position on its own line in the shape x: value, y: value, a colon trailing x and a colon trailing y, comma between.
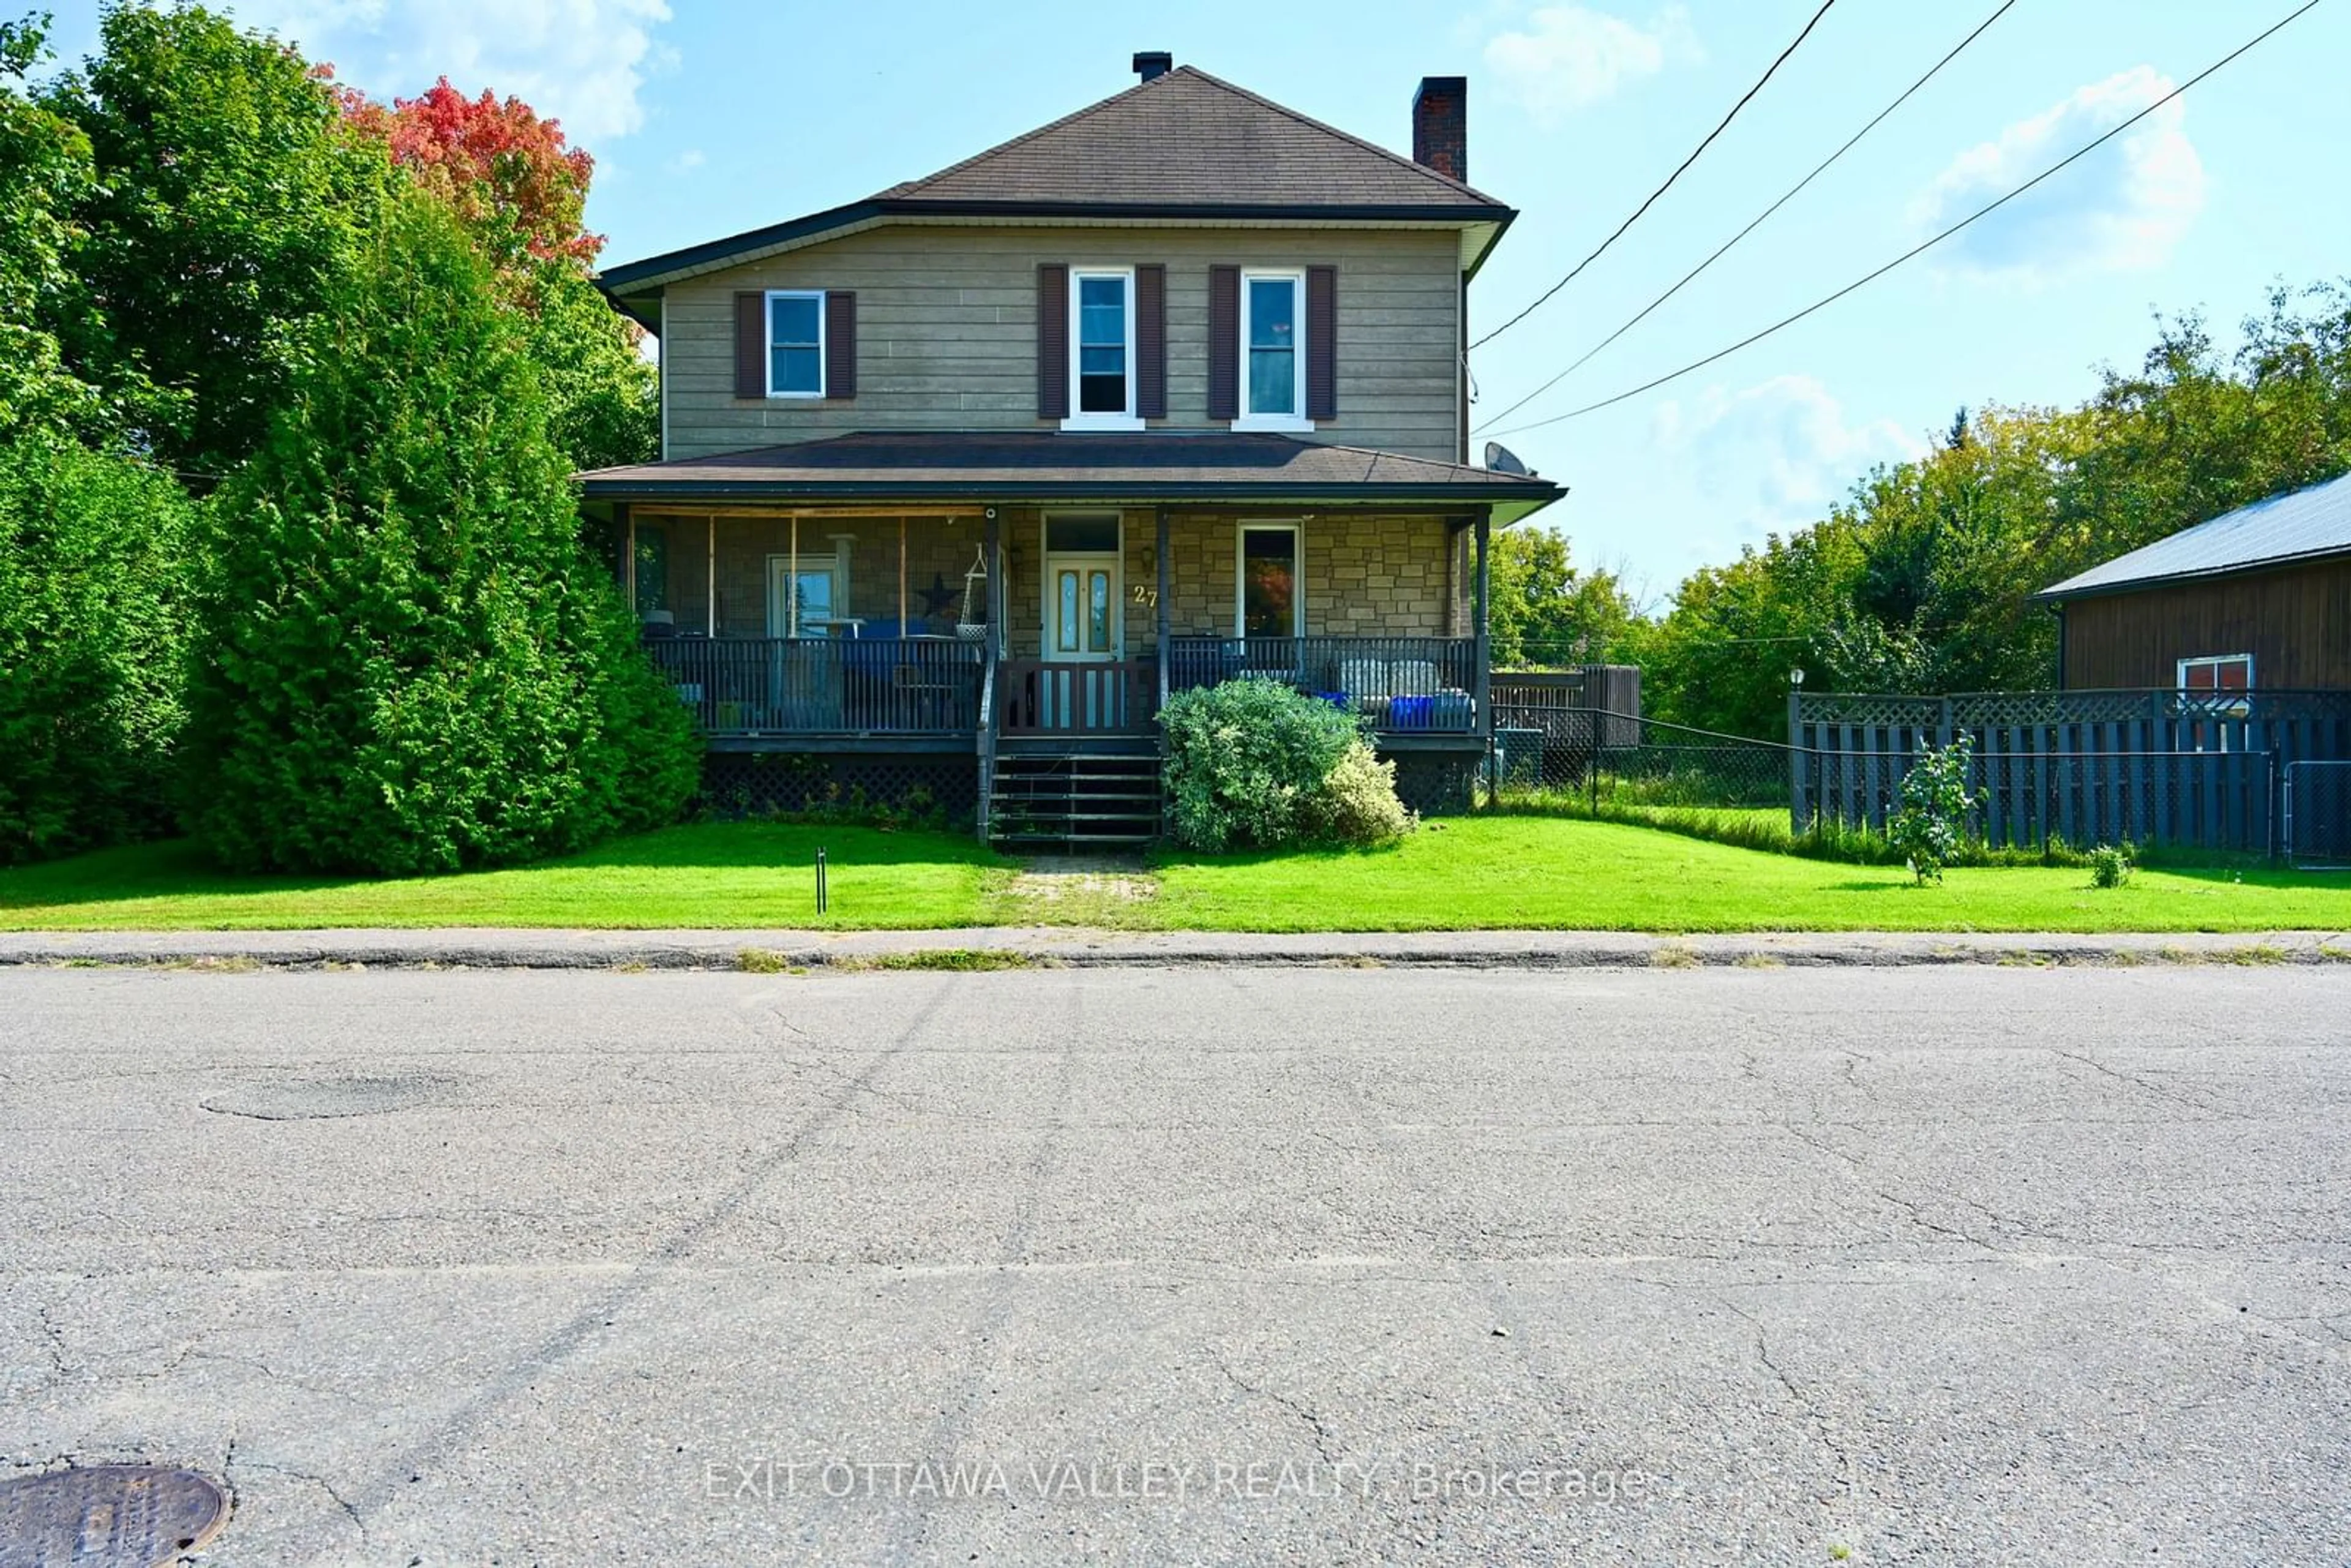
x: 1081, y: 948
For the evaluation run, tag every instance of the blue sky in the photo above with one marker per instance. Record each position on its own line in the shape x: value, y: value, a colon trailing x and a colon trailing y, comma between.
x: 708, y: 118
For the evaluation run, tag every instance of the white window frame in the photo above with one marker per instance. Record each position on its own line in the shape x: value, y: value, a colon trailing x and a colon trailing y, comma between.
x: 1296, y: 530
x: 1295, y: 421
x: 834, y: 562
x: 2208, y: 661
x: 768, y: 348
x: 1078, y: 419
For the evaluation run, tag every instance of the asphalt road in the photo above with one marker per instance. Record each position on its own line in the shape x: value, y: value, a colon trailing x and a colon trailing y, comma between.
x: 1970, y: 1266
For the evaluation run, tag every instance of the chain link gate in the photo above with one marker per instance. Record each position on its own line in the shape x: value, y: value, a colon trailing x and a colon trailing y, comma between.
x: 2318, y: 816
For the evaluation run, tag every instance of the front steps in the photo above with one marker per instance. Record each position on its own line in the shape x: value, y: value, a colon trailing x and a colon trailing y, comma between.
x: 1099, y: 798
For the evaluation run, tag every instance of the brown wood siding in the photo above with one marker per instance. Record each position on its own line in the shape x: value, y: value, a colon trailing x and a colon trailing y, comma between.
x: 2295, y: 623
x: 947, y: 330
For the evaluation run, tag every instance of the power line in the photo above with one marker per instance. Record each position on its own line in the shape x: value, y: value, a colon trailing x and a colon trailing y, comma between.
x: 1794, y: 191
x: 1669, y: 185
x: 1928, y: 245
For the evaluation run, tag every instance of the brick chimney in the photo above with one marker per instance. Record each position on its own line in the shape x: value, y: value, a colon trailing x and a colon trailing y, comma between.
x: 1153, y: 64
x: 1441, y: 126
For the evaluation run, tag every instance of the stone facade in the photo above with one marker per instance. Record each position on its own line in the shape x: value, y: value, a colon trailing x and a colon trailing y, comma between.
x: 1362, y: 576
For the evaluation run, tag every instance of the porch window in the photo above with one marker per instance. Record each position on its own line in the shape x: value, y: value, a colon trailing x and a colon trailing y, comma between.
x: 1273, y: 351
x: 1270, y: 604
x: 821, y: 588
x: 796, y: 343
x: 1101, y: 348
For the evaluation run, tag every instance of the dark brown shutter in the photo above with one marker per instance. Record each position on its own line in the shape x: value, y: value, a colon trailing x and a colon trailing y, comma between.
x: 1223, y: 342
x: 1151, y: 341
x: 1052, y: 341
x: 751, y: 345
x: 841, y: 344
x: 1321, y: 342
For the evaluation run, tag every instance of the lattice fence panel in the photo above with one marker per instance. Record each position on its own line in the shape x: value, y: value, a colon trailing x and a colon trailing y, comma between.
x: 747, y: 783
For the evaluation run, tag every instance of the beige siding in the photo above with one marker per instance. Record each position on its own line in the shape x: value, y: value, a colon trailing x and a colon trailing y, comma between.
x: 946, y: 331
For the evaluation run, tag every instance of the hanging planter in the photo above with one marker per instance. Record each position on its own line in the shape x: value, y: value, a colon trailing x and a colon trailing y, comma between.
x: 969, y: 628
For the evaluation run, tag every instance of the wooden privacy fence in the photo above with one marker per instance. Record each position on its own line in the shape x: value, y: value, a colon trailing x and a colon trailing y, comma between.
x: 1573, y: 710
x: 2198, y: 769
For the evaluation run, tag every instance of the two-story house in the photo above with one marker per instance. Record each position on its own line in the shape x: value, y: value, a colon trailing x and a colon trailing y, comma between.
x: 960, y: 482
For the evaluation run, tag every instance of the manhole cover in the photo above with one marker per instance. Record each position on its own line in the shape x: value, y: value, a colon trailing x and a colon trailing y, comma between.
x: 109, y: 1516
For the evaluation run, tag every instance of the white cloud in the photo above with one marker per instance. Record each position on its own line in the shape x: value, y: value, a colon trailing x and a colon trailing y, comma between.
x: 687, y: 161
x: 2120, y: 209
x: 1565, y: 57
x: 578, y: 61
x: 1778, y: 452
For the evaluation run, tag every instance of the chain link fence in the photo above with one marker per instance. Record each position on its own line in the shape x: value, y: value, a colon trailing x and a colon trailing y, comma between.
x: 2318, y: 829
x: 1623, y: 760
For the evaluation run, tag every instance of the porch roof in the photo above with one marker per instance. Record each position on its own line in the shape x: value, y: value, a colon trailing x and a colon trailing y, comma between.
x: 1229, y: 467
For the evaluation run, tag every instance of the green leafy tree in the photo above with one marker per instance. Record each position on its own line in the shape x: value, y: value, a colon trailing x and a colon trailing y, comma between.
x: 227, y: 196
x: 405, y: 662
x: 1929, y: 827
x: 1546, y: 611
x: 92, y: 552
x: 44, y: 175
x: 522, y: 191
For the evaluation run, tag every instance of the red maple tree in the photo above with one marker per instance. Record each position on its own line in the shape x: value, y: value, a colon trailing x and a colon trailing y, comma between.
x: 505, y: 171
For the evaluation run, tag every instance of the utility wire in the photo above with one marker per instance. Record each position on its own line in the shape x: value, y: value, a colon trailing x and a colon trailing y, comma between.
x: 1644, y: 206
x: 1794, y: 191
x: 1928, y: 245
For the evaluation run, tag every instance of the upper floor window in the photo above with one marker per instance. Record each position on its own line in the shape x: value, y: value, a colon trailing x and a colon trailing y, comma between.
x: 1101, y: 347
x: 796, y: 343
x: 1273, y: 351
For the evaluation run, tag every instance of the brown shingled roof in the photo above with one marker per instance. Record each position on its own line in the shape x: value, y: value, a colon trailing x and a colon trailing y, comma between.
x: 1189, y: 139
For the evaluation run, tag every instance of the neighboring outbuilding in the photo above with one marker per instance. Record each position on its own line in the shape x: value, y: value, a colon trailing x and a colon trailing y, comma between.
x: 2259, y: 597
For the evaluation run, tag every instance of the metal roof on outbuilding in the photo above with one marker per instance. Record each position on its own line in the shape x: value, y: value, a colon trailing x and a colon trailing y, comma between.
x: 2300, y: 525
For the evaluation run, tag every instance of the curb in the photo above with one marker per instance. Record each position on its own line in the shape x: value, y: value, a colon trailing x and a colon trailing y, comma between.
x: 1019, y: 947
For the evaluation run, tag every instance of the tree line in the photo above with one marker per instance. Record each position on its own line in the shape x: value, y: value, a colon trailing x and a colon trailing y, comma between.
x: 1918, y: 582
x: 292, y: 383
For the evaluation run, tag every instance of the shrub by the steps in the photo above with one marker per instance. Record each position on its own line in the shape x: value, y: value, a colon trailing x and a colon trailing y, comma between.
x: 1253, y: 764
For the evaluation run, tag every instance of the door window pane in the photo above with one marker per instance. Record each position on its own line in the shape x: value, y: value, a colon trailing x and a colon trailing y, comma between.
x: 1065, y: 625
x: 1269, y: 583
x: 1274, y: 345
x: 1102, y: 345
x: 795, y: 357
x: 1098, y: 611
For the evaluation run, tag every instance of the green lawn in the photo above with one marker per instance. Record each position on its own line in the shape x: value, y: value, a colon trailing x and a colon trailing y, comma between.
x: 1533, y: 872
x: 1461, y: 873
x: 728, y: 873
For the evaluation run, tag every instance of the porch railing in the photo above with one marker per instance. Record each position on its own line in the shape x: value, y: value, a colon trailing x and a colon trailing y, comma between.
x: 1043, y: 696
x: 843, y: 685
x: 1400, y: 685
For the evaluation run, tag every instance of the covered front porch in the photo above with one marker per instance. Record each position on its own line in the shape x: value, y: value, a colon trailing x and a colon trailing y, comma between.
x: 788, y: 628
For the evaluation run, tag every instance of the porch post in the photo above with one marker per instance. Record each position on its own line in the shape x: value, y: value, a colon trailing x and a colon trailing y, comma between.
x: 1484, y: 672
x: 710, y: 559
x: 628, y: 549
x: 902, y: 576
x: 792, y: 585
x: 1166, y: 617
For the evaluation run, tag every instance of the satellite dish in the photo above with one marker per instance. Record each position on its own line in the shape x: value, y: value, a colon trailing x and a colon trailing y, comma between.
x: 1501, y: 459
